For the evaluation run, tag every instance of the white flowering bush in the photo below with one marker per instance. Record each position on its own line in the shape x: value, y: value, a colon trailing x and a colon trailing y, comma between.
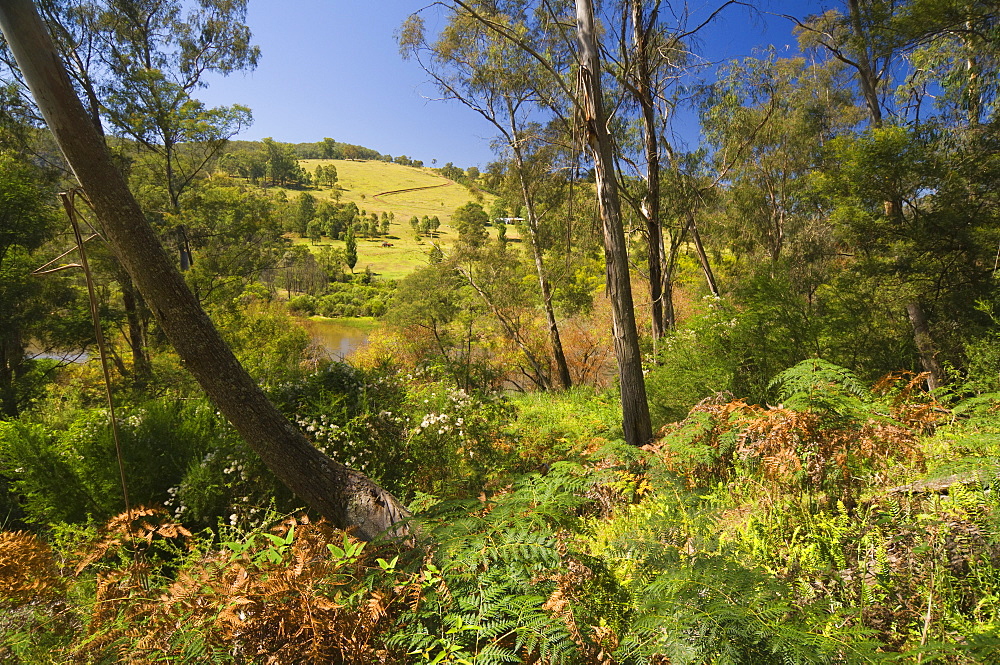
x: 228, y: 484
x: 406, y: 431
x: 355, y: 416
x: 457, y: 437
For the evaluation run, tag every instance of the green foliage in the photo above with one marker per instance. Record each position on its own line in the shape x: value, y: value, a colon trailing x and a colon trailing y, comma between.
x: 442, y: 311
x: 265, y: 340
x: 234, y: 235
x: 69, y: 472
x: 26, y: 223
x: 493, y: 571
x: 408, y: 435
x: 714, y: 610
x: 565, y: 424
x: 738, y: 344
x: 302, y: 305
x: 458, y: 440
x: 351, y: 249
x: 820, y: 386
x: 470, y: 220
x: 695, y: 362
x: 345, y: 299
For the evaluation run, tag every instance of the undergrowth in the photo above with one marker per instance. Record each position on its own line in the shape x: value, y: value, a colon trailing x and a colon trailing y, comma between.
x: 803, y: 533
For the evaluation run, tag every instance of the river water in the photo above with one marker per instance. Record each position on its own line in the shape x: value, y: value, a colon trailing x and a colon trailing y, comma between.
x: 336, y: 338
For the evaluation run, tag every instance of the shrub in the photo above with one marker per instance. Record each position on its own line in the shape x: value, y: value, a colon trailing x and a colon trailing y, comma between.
x: 406, y: 433
x: 831, y: 438
x: 265, y: 339
x: 355, y: 416
x: 302, y: 305
x: 69, y: 473
x: 695, y: 362
x: 457, y: 439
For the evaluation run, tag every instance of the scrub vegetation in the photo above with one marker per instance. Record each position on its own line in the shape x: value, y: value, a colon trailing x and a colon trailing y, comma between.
x: 802, y: 312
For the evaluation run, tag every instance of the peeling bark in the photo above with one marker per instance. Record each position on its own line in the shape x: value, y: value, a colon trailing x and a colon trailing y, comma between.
x: 635, y: 409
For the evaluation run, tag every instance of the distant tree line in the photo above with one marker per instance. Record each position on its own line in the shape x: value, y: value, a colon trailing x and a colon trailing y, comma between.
x: 468, y: 177
x: 328, y: 148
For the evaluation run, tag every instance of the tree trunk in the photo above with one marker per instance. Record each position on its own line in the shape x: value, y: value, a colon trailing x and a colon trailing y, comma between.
x: 925, y: 346
x: 893, y: 204
x: 343, y: 495
x: 667, y: 283
x: 132, y: 303
x: 635, y: 409
x: 867, y: 76
x: 562, y: 367
x: 650, y: 206
x: 706, y: 267
x: 8, y: 392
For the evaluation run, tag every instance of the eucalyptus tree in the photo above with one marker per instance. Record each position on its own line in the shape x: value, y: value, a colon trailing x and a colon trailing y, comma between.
x: 496, y: 275
x: 955, y: 51
x: 902, y: 51
x: 351, y: 248
x: 540, y: 34
x: 505, y: 85
x: 236, y: 235
x: 768, y: 121
x: 442, y: 313
x: 139, y: 63
x: 636, y: 423
x: 280, y: 163
x: 343, y: 495
x: 652, y: 57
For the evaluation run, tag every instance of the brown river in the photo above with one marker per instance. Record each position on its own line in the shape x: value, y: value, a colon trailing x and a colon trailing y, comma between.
x: 336, y: 337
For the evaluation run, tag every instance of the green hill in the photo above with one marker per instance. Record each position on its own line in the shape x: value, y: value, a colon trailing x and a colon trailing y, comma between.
x: 404, y: 191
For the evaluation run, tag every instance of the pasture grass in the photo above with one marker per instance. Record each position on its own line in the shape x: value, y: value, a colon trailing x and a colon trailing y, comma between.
x: 365, y: 182
x: 406, y: 254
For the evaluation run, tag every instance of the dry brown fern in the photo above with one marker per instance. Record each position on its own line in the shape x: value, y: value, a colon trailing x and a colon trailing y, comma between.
x: 28, y: 570
x: 794, y: 450
x: 596, y: 643
x: 912, y: 404
x: 306, y: 607
x: 129, y: 529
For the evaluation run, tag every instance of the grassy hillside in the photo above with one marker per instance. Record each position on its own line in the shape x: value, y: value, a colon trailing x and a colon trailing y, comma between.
x: 378, y: 187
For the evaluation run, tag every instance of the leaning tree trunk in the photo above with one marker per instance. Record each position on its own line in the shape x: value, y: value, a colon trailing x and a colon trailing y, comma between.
x: 635, y: 409
x: 343, y: 495
x: 706, y: 267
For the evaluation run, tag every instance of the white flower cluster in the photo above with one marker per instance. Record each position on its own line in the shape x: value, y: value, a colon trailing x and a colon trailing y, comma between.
x: 459, y: 397
x: 235, y: 467
x: 174, y: 504
x: 332, y: 440
x: 442, y: 422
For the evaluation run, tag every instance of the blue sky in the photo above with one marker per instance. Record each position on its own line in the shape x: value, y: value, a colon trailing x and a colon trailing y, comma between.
x: 333, y: 69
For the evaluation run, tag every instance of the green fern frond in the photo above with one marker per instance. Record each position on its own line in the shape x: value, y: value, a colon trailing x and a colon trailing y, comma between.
x: 822, y: 387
